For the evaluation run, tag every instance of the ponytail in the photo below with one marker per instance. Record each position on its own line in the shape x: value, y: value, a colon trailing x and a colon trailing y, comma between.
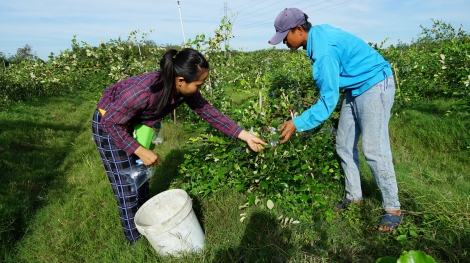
x: 187, y: 63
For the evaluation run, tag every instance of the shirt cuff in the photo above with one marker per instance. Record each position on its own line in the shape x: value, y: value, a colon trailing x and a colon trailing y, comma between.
x: 131, y: 148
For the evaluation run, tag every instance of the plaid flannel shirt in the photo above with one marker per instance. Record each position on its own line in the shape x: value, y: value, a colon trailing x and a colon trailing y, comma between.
x: 131, y: 101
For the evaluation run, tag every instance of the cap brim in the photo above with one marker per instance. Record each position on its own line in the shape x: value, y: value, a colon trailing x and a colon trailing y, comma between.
x: 278, y: 37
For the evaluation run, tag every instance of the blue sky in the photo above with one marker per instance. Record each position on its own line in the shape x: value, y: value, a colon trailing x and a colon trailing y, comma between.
x: 49, y: 26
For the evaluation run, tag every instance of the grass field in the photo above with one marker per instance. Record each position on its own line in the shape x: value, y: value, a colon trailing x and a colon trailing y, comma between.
x: 57, y: 205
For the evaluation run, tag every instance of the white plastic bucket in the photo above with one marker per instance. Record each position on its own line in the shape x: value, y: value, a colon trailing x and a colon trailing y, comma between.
x: 169, y: 223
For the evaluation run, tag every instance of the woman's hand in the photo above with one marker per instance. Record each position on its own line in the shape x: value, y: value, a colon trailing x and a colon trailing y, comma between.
x: 252, y: 141
x: 148, y: 157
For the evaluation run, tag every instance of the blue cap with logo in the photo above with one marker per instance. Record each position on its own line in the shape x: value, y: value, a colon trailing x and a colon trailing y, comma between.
x: 289, y: 18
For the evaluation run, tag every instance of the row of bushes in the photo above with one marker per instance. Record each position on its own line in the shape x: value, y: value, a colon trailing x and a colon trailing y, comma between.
x: 436, y: 65
x: 82, y: 67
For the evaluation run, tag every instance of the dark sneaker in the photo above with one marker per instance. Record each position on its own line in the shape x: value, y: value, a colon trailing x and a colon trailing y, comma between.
x: 345, y: 203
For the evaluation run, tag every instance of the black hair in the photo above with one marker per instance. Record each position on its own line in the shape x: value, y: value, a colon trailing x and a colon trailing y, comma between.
x: 187, y: 63
x: 307, y: 25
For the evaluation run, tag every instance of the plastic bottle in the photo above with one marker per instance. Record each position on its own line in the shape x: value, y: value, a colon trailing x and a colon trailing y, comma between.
x: 158, y: 135
x: 138, y: 174
x: 274, y: 140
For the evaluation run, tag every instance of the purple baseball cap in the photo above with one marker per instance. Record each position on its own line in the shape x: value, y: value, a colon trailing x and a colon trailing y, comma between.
x: 286, y: 20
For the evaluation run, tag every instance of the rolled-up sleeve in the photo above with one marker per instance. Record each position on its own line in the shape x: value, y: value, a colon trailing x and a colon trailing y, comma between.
x: 214, y: 117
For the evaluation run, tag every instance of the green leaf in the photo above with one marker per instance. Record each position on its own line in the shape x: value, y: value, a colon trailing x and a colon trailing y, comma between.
x: 264, y: 185
x: 414, y: 256
x: 298, y: 177
x: 286, y: 177
x: 386, y: 260
x: 305, y: 166
x: 413, y: 232
x: 304, y: 198
x: 317, y: 199
x: 240, y: 187
x: 401, y: 237
x: 252, y: 199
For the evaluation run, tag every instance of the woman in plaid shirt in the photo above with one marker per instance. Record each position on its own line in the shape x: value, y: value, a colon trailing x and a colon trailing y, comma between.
x: 146, y: 99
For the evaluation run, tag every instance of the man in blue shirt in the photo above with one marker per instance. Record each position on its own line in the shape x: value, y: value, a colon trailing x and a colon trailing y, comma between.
x: 341, y: 60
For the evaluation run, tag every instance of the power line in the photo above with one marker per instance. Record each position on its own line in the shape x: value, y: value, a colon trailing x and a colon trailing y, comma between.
x: 327, y: 8
x: 269, y: 11
x: 249, y: 25
x: 225, y: 8
x: 250, y: 5
x: 245, y: 14
x: 218, y: 15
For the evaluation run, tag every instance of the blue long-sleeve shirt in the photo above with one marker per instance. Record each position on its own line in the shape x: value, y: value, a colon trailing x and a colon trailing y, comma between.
x: 340, y: 60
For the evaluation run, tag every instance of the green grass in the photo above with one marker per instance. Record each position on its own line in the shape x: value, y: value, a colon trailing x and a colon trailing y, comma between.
x: 57, y: 205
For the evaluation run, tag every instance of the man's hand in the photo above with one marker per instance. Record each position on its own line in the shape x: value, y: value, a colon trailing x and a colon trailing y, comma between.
x: 287, y: 128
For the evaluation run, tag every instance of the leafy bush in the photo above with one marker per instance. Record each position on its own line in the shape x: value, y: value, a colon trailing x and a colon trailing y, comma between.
x: 83, y: 67
x: 437, y: 65
x: 279, y: 86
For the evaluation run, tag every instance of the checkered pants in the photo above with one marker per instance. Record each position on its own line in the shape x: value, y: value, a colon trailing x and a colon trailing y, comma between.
x: 114, y: 161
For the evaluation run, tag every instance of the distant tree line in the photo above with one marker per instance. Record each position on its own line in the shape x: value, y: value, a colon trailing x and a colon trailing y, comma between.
x: 25, y: 53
